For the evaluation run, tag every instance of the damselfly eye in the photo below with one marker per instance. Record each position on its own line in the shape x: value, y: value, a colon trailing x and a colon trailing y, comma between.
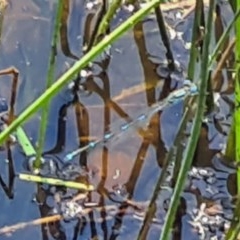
x: 187, y: 83
x: 192, y: 87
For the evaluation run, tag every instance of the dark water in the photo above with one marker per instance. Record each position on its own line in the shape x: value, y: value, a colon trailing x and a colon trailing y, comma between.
x: 137, y: 59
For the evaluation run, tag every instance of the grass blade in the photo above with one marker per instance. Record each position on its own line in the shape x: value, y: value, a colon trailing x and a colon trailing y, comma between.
x: 50, y: 78
x: 193, y: 139
x: 84, y: 61
x: 55, y: 181
x: 25, y: 143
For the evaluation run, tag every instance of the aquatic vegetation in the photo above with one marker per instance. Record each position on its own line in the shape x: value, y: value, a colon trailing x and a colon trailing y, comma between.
x: 167, y: 186
x: 55, y: 182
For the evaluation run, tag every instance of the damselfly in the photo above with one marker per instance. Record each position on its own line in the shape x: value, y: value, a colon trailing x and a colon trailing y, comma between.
x: 188, y: 89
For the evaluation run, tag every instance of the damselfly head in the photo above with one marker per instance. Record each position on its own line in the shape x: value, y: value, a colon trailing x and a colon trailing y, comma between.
x: 187, y: 83
x: 191, y: 86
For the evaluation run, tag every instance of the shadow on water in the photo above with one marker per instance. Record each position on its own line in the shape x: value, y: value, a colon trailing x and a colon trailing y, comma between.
x: 117, y: 87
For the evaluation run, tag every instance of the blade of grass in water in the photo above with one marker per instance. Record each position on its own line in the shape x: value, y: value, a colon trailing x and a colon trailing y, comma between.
x: 84, y: 61
x: 234, y: 137
x: 232, y: 149
x: 194, y: 50
x: 237, y: 97
x: 105, y: 22
x: 50, y: 78
x: 194, y: 135
x: 164, y: 37
x: 168, y: 160
x: 55, y: 181
x: 25, y: 143
x: 234, y: 229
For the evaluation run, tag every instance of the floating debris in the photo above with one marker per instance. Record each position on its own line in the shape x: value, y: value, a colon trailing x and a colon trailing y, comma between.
x: 70, y: 210
x: 209, y: 222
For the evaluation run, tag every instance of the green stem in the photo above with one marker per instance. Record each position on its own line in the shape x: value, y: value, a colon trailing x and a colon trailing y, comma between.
x: 237, y: 97
x: 68, y: 76
x: 55, y: 182
x: 50, y: 77
x: 194, y: 50
x: 105, y: 22
x: 193, y: 138
x: 25, y: 143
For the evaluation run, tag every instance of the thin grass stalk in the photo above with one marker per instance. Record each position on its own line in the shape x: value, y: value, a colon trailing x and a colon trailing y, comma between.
x: 105, y: 22
x: 237, y: 97
x: 111, y: 209
x: 181, y: 137
x: 233, y: 5
x: 25, y: 143
x: 64, y: 39
x: 195, y: 132
x: 224, y: 57
x: 223, y: 38
x: 233, y: 144
x: 234, y: 229
x: 169, y: 159
x: 50, y: 78
x: 55, y: 182
x: 164, y: 36
x: 83, y: 62
x: 97, y: 20
x: 210, y: 97
x: 10, y: 229
x: 229, y: 153
x: 194, y: 50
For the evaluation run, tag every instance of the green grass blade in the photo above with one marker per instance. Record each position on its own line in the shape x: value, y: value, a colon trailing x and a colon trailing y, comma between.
x: 237, y: 117
x: 164, y: 37
x: 105, y: 22
x: 234, y: 229
x: 194, y: 135
x: 237, y: 97
x: 69, y: 75
x: 24, y: 142
x: 194, y: 51
x: 50, y: 78
x: 55, y: 181
x: 168, y: 160
x: 233, y: 145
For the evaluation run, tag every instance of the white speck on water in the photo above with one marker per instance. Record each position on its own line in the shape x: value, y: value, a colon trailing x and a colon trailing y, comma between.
x: 188, y: 45
x: 130, y: 8
x: 117, y: 174
x: 216, y: 98
x: 70, y: 85
x: 178, y: 15
x: 83, y: 73
x: 89, y: 5
x: 67, y: 64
